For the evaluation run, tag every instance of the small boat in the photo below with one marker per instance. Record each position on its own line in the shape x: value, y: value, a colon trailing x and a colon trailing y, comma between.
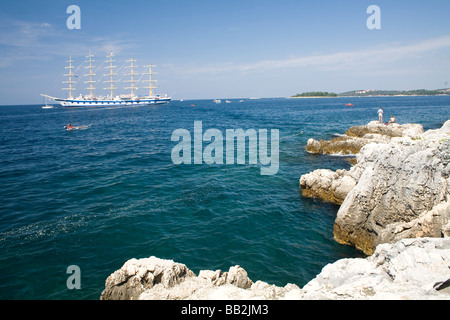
x: 217, y: 101
x: 47, y: 106
x: 70, y: 128
x: 349, y: 105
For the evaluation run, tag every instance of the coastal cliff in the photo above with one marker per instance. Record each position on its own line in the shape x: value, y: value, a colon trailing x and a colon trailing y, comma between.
x: 408, y: 269
x: 398, y: 189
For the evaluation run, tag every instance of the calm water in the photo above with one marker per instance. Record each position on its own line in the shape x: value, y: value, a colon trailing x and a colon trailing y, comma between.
x: 98, y: 197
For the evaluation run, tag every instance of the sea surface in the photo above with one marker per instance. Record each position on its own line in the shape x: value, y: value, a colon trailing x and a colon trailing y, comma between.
x: 97, y: 197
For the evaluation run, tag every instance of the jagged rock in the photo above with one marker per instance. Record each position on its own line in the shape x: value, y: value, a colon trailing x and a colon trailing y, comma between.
x: 154, y: 278
x: 136, y: 276
x: 373, y: 129
x: 327, y: 185
x: 403, y: 191
x: 236, y: 276
x: 400, y: 190
x: 408, y: 269
x: 339, y: 145
x: 358, y: 136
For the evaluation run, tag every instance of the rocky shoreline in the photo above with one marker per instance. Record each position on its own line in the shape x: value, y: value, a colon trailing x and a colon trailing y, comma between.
x: 394, y: 206
x: 398, y: 189
x: 408, y: 269
x: 358, y: 136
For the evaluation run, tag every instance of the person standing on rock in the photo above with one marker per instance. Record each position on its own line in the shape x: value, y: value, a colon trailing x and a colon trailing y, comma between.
x: 380, y: 115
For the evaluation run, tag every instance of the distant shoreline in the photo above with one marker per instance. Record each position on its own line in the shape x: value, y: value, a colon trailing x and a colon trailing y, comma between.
x: 376, y: 96
x: 293, y: 97
x: 374, y: 93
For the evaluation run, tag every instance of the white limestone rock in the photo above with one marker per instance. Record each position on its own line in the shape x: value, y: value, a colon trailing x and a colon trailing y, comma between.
x: 409, y: 269
x: 327, y: 185
x: 397, y: 190
x: 136, y: 276
x: 402, y: 191
x: 358, y: 136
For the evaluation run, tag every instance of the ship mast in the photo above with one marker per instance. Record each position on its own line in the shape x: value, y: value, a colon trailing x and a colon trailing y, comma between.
x: 111, y: 74
x: 91, y: 82
x: 70, y: 75
x: 150, y: 86
x: 132, y: 74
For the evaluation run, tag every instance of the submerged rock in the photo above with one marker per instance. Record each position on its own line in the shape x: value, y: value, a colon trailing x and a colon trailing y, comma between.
x: 408, y: 269
x: 397, y: 190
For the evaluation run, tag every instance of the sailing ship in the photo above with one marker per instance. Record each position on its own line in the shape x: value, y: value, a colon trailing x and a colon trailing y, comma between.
x: 111, y: 99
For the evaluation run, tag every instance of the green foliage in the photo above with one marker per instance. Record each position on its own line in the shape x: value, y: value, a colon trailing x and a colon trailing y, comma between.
x: 316, y: 94
x: 368, y: 93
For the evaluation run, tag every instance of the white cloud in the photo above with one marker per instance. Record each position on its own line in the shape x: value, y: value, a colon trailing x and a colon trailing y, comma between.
x: 24, y: 40
x: 373, y: 58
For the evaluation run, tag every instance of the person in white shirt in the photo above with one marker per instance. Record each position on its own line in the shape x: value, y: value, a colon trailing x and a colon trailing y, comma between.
x: 380, y: 115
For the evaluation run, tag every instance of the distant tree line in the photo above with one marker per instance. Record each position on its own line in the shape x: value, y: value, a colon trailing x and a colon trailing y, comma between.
x: 316, y: 94
x: 363, y: 93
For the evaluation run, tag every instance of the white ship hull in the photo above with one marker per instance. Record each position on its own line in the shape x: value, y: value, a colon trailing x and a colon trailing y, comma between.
x: 111, y: 103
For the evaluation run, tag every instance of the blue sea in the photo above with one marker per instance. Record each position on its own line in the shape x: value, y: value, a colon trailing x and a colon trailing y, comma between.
x: 97, y: 197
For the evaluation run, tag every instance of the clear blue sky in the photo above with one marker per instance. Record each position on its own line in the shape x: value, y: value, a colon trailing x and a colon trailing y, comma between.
x: 227, y: 48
